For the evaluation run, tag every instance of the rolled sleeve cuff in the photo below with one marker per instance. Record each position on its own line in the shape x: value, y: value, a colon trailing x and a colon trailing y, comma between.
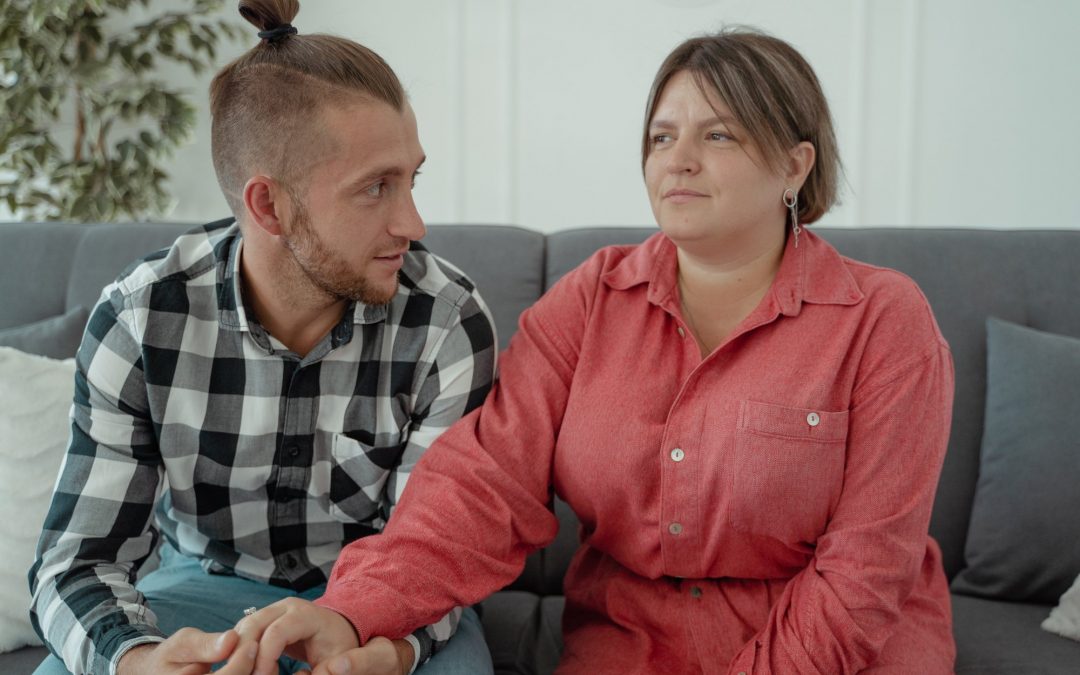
x: 150, y: 635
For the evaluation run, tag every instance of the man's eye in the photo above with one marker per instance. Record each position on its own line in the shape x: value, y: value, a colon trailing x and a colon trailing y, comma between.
x: 718, y: 136
x: 375, y: 190
x: 414, y: 176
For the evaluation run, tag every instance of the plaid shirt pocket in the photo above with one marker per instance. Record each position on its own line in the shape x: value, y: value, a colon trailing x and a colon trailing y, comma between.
x: 358, y: 478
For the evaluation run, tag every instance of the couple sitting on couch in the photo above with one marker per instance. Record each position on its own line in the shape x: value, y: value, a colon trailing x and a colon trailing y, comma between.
x: 749, y: 427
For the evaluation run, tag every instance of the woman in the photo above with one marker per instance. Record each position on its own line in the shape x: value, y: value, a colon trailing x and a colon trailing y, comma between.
x: 749, y: 426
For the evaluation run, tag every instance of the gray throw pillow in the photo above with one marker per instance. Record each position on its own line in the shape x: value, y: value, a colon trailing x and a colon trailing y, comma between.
x: 1024, y: 542
x: 57, y: 337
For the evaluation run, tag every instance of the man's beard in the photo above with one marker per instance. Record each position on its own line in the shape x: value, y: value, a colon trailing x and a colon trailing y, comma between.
x: 326, y: 271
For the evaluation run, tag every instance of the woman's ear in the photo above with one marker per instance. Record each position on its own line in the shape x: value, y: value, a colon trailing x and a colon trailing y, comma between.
x: 802, y: 158
x: 262, y: 203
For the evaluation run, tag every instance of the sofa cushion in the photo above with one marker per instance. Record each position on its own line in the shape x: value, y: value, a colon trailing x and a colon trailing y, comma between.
x: 1064, y: 620
x: 23, y: 661
x: 57, y: 337
x: 1022, y: 543
x: 112, y: 247
x: 35, y: 397
x: 524, y: 632
x: 504, y: 262
x: 511, y: 623
x: 1004, y: 638
x: 35, y: 262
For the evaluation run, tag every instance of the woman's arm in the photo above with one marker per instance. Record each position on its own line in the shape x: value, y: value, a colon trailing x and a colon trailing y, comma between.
x: 479, y: 501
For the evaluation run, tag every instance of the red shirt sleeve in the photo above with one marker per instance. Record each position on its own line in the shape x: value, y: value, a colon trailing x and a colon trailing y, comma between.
x: 479, y: 500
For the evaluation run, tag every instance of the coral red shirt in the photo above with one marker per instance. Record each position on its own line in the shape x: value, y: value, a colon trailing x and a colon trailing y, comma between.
x: 762, y: 510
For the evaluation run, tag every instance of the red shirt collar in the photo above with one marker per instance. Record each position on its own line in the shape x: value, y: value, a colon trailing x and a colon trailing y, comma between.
x: 814, y: 272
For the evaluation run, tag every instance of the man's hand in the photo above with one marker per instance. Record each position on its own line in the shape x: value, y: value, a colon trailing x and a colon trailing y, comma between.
x: 189, y: 652
x: 378, y: 656
x: 316, y: 635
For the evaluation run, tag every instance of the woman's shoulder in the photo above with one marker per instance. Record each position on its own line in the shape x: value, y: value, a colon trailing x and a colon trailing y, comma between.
x: 895, y: 304
x: 884, y: 285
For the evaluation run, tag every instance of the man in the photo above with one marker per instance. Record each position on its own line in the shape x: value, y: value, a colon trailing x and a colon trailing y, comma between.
x: 266, y: 383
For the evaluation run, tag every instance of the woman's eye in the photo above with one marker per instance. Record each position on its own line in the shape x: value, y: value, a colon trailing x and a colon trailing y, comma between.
x: 413, y: 184
x: 661, y: 138
x: 718, y: 136
x: 375, y: 190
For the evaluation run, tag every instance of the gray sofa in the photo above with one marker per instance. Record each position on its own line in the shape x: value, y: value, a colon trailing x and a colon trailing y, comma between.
x: 1028, y: 277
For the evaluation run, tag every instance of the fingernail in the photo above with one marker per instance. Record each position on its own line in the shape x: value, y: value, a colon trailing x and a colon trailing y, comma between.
x: 220, y: 642
x: 253, y: 651
x: 340, y: 667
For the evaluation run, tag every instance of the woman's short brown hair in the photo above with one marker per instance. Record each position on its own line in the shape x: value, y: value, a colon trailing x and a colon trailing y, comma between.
x: 265, y: 104
x: 772, y: 92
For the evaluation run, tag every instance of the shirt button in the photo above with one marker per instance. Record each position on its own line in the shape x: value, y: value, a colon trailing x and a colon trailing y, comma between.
x: 813, y: 419
x: 675, y: 528
x: 682, y: 333
x: 695, y: 591
x: 677, y: 454
x: 290, y: 562
x: 293, y: 450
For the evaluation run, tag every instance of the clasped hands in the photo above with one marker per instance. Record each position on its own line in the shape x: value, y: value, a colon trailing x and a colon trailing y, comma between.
x: 294, y: 627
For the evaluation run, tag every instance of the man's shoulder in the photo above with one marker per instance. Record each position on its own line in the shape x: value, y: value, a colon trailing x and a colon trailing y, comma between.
x: 429, y: 274
x: 195, y: 254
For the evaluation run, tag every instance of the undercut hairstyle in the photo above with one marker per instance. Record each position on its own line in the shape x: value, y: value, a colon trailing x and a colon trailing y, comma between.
x: 774, y: 95
x: 265, y: 104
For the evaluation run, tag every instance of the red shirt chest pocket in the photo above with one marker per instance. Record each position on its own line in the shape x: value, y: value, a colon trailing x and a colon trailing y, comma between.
x: 789, y: 470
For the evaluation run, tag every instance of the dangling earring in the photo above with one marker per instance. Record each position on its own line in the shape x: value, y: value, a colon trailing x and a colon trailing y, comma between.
x: 791, y: 200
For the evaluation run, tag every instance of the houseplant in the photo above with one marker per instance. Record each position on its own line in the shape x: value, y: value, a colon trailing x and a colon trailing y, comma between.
x: 89, y: 115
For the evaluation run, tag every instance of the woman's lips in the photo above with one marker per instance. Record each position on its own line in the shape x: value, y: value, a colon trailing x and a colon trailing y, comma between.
x: 682, y: 195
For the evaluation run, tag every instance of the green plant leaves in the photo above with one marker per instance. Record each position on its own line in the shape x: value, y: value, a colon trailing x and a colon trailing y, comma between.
x: 87, y: 118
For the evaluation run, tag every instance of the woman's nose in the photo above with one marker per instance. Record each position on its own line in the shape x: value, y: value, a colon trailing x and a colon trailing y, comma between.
x: 683, y: 158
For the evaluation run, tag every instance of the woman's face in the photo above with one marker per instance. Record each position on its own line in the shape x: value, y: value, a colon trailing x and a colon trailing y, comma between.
x: 708, y: 184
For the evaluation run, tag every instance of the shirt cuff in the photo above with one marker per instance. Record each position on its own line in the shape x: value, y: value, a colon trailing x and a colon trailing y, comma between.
x: 128, y: 646
x: 411, y: 639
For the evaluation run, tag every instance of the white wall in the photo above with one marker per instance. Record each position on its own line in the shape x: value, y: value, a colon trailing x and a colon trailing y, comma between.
x: 948, y: 112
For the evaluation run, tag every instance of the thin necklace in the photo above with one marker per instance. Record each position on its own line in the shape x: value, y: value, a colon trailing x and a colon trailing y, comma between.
x: 689, y: 314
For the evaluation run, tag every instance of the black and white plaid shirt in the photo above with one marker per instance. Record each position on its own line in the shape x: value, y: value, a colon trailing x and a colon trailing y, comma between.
x: 266, y: 463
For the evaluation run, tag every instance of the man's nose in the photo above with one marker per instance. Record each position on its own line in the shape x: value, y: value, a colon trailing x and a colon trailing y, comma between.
x: 407, y: 222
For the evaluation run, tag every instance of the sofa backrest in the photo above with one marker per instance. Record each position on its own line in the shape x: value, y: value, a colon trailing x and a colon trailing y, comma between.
x: 47, y: 269
x: 1030, y: 277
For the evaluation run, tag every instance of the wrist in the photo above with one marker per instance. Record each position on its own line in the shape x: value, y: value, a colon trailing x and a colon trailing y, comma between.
x: 406, y: 655
x: 132, y: 660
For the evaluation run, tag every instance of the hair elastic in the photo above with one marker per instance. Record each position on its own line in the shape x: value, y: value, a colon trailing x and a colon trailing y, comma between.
x: 279, y: 33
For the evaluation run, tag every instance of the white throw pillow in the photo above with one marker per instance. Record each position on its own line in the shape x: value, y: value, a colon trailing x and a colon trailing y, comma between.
x: 35, y: 401
x: 1065, y: 618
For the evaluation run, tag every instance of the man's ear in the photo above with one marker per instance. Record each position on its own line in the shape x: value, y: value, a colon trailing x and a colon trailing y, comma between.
x: 265, y: 204
x: 802, y: 158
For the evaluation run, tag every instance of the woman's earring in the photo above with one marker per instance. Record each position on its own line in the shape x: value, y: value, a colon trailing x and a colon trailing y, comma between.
x: 791, y: 200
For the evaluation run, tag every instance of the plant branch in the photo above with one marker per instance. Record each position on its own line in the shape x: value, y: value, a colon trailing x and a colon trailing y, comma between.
x: 80, y: 124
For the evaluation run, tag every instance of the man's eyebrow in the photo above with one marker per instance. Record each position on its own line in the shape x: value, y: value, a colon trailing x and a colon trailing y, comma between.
x: 383, y: 172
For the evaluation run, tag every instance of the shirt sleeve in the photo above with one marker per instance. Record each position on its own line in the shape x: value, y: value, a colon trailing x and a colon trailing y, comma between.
x: 836, y: 614
x: 97, y: 532
x: 480, y: 500
x: 457, y: 381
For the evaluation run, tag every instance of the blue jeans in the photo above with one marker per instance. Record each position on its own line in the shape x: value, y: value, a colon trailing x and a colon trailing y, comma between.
x: 182, y: 594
